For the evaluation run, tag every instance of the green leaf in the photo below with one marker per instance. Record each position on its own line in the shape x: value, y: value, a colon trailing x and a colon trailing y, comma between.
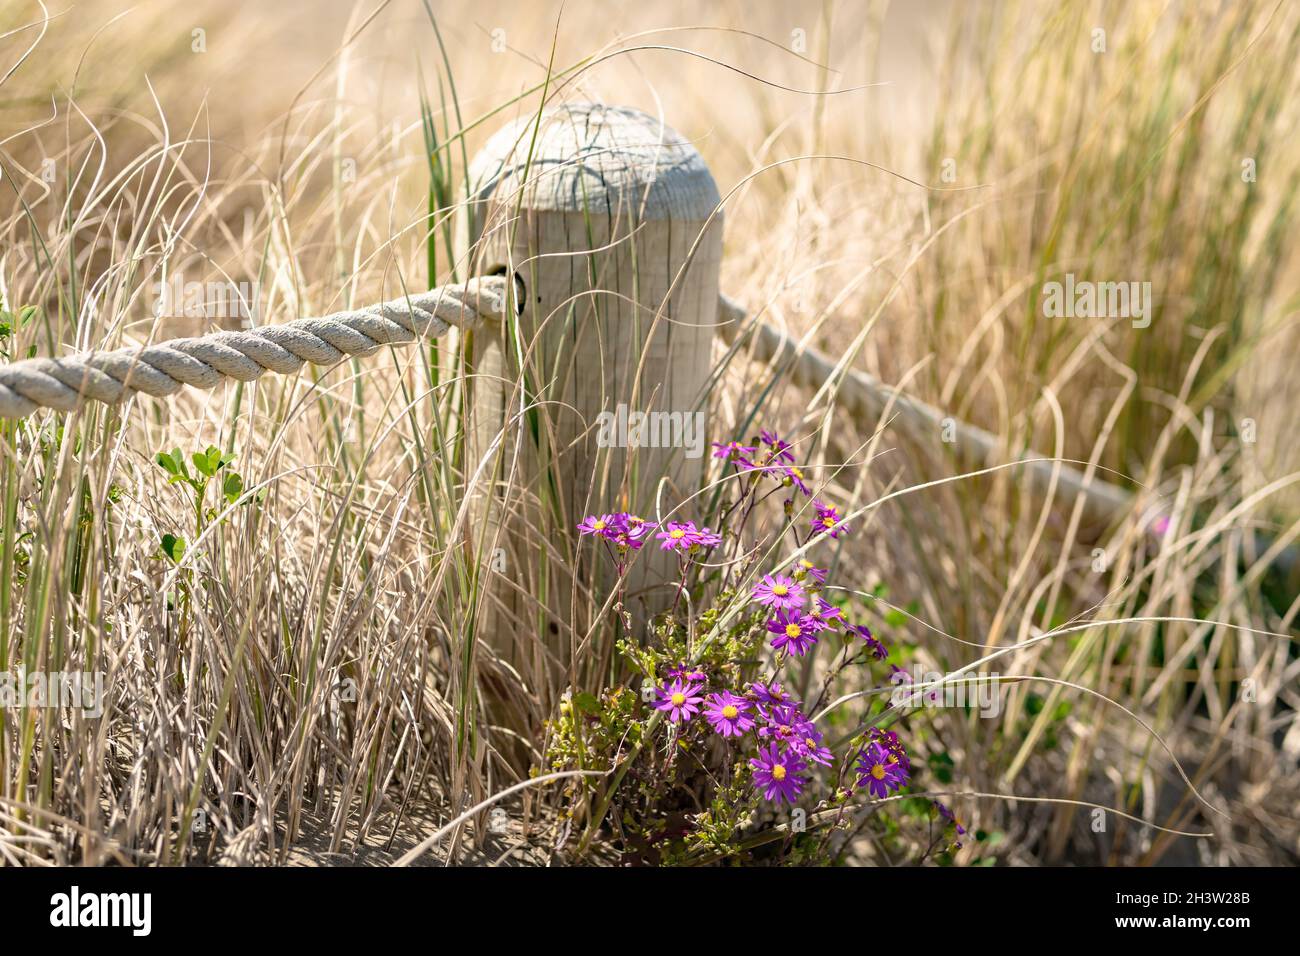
x: 587, y: 703
x: 207, y: 462
x: 173, y: 547
x: 232, y: 487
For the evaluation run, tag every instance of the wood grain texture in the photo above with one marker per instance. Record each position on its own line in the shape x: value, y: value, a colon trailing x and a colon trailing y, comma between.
x: 604, y: 214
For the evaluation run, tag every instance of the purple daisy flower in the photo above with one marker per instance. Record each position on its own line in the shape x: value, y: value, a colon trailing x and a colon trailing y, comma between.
x: 828, y: 521
x: 780, y: 449
x: 602, y: 525
x: 794, y: 631
x: 728, y: 714
x: 804, y: 571
x: 823, y: 614
x: 794, y: 476
x: 776, y: 774
x: 789, y: 727
x: 878, y: 650
x: 879, y: 771
x: 779, y: 592
x: 809, y: 746
x: 692, y: 675
x: 684, y: 536
x: 680, y: 701
x: 630, y: 532
x: 778, y: 723
x: 889, y: 740
x: 773, y: 694
x: 735, y: 452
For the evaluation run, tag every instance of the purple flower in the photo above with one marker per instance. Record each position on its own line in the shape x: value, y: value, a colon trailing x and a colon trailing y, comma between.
x: 680, y: 701
x: 791, y: 729
x: 734, y: 451
x: 824, y: 614
x: 631, y: 532
x: 808, y: 744
x: 889, y: 740
x: 690, y: 674
x: 728, y: 714
x: 602, y: 525
x: 794, y: 476
x: 779, y: 592
x: 878, y: 650
x: 627, y: 531
x: 794, y: 631
x: 779, y: 723
x: 776, y: 774
x: 684, y: 536
x: 948, y: 815
x: 780, y: 449
x: 805, y: 570
x: 828, y: 521
x: 879, y: 771
x: 773, y: 693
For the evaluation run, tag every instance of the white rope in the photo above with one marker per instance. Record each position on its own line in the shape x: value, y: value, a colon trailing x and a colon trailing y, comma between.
x: 65, y: 383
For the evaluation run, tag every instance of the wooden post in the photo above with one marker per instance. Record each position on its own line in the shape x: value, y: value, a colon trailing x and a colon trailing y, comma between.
x: 610, y: 220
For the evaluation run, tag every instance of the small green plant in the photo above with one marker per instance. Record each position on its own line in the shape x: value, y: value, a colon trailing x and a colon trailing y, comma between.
x: 211, y: 468
x: 11, y: 322
x: 210, y: 465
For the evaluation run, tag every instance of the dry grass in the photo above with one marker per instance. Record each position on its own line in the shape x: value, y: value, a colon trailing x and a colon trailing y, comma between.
x: 287, y: 157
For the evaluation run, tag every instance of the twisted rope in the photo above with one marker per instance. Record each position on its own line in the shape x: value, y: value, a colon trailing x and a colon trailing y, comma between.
x: 203, y: 362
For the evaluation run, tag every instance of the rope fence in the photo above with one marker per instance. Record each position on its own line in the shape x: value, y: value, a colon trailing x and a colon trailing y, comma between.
x: 205, y: 361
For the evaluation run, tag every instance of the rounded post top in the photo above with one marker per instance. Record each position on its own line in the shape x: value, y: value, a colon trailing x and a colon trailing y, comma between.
x: 591, y: 157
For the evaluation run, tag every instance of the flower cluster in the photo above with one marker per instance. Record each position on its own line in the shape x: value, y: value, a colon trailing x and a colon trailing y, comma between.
x: 626, y: 532
x: 770, y: 455
x: 684, y: 536
x: 800, y: 613
x: 787, y: 740
x: 883, y: 767
x: 712, y: 694
x: 629, y: 532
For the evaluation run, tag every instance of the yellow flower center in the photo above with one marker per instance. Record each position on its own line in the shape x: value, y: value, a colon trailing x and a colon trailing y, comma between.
x: 599, y: 525
x: 828, y: 521
x: 792, y: 630
x: 730, y: 712
x: 778, y: 772
x: 678, y: 699
x: 780, y: 590
x: 878, y: 771
x: 678, y: 533
x: 810, y: 742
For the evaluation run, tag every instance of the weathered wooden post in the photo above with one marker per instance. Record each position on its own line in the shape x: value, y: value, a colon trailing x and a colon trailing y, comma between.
x: 610, y: 221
